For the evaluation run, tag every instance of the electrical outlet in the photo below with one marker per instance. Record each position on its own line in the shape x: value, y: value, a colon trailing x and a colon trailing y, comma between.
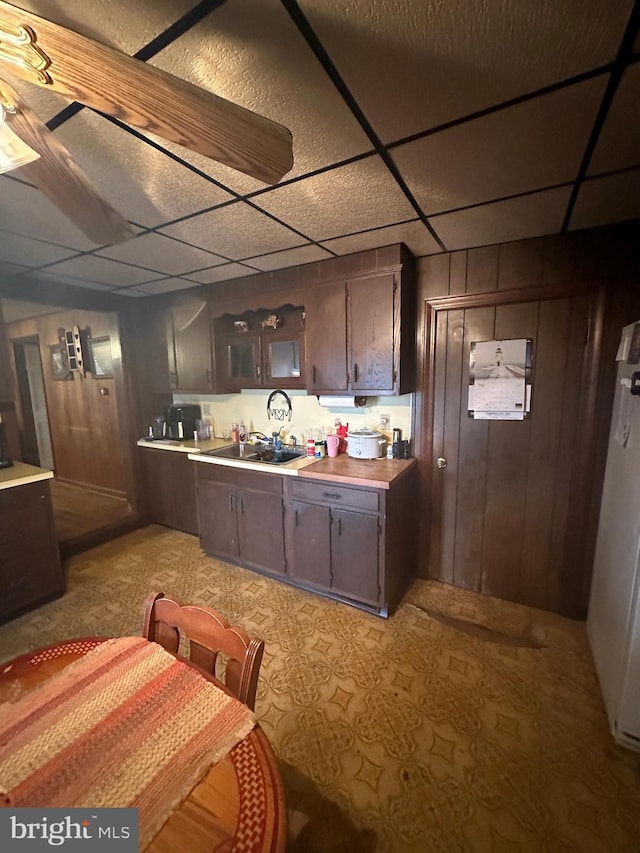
x: 385, y: 421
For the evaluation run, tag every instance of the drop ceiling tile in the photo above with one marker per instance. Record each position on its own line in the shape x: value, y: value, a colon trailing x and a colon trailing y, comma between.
x: 235, y: 231
x: 289, y: 258
x: 228, y: 271
x: 102, y: 271
x: 161, y: 253
x: 11, y: 269
x: 67, y: 280
x: 619, y: 143
x: 351, y: 198
x: 25, y: 210
x: 143, y: 184
x: 414, y: 234
x: 102, y: 21
x: 16, y: 309
x: 503, y: 221
x: 415, y: 65
x: 531, y: 146
x: 28, y: 252
x: 130, y: 291
x: 250, y: 52
x: 162, y: 285
x: 610, y: 199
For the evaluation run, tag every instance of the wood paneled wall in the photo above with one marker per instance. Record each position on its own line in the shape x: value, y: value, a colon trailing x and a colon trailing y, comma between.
x: 516, y: 514
x: 84, y: 417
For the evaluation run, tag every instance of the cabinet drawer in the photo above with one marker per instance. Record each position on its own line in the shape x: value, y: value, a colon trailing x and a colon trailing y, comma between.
x: 21, y: 496
x: 239, y: 477
x: 336, y: 494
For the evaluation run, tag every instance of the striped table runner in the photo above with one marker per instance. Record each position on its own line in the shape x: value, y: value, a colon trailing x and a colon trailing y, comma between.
x: 126, y: 725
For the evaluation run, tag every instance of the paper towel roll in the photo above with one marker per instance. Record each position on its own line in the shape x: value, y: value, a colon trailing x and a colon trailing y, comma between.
x: 345, y: 402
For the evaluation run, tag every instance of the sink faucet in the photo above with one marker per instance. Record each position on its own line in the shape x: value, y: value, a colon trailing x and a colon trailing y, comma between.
x: 277, y: 441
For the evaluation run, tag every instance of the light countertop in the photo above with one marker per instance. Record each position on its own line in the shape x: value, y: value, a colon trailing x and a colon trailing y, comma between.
x: 20, y: 474
x: 374, y: 473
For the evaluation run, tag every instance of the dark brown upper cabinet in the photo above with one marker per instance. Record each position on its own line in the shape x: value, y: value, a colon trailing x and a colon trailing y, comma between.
x: 179, y: 348
x: 261, y: 349
x: 190, y: 347
x: 326, y: 326
x: 361, y: 334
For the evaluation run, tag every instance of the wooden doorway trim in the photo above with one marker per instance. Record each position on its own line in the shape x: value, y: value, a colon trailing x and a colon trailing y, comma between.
x: 583, y: 480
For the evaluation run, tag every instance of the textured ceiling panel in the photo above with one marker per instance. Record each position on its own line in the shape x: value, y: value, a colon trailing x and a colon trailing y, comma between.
x: 619, y: 143
x: 11, y: 269
x: 157, y: 252
x: 236, y: 231
x: 33, y: 253
x: 250, y: 52
x: 25, y: 210
x: 221, y: 273
x: 163, y: 285
x: 65, y: 279
x: 140, y: 182
x: 289, y: 258
x: 610, y: 199
x: 15, y: 309
x: 528, y: 147
x: 102, y: 271
x: 412, y: 66
x: 515, y: 219
x: 409, y: 65
x: 355, y: 197
x: 414, y: 234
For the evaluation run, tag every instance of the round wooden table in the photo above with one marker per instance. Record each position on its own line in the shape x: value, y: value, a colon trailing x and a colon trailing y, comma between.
x: 239, y: 806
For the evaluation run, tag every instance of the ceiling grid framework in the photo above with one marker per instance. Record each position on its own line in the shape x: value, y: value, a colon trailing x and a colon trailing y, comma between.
x: 444, y: 126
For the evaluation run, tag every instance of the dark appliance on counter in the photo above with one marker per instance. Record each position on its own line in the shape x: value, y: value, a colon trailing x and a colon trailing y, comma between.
x: 5, y: 462
x: 181, y: 420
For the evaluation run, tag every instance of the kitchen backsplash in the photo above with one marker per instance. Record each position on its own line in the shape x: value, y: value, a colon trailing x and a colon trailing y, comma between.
x: 250, y: 407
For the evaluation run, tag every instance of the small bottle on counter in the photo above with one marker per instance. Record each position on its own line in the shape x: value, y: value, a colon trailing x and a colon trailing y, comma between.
x: 234, y: 433
x: 321, y: 450
x: 311, y: 447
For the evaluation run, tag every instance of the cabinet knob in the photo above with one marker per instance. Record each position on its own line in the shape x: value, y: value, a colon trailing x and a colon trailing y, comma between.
x: 314, y: 374
x: 441, y: 462
x: 356, y: 372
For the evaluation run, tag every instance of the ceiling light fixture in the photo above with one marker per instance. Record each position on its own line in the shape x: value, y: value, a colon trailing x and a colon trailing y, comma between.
x: 13, y: 151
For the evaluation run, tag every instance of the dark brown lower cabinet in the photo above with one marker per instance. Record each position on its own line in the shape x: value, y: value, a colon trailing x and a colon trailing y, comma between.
x: 170, y: 488
x: 30, y: 568
x: 335, y: 549
x: 241, y: 516
x: 355, y: 544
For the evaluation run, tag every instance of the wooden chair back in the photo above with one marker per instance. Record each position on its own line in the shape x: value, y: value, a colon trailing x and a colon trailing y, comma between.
x: 208, y: 633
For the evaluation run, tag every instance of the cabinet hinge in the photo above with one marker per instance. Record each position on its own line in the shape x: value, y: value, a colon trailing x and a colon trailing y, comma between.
x: 379, y: 528
x: 395, y: 376
x: 395, y: 285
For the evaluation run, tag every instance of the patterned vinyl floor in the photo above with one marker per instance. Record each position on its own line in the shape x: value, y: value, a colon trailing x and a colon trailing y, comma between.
x: 463, y: 723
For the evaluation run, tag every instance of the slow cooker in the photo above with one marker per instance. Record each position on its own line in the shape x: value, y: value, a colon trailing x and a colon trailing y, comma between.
x: 365, y: 443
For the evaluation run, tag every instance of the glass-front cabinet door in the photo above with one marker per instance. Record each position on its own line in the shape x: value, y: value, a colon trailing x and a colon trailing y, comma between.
x: 284, y: 360
x: 243, y: 368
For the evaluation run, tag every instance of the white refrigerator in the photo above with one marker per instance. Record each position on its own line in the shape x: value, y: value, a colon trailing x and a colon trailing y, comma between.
x: 613, y: 624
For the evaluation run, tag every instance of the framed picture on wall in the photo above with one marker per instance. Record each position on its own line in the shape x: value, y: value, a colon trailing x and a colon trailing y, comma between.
x: 59, y: 362
x: 100, y: 358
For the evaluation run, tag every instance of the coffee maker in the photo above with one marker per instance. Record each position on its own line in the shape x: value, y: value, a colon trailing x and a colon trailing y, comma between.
x: 5, y: 462
x: 181, y: 420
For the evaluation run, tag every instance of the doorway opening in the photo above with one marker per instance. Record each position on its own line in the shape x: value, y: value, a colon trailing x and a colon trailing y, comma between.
x: 35, y: 436
x: 73, y: 427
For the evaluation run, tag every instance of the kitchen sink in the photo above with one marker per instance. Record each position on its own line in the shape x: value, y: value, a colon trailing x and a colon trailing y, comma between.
x: 248, y: 454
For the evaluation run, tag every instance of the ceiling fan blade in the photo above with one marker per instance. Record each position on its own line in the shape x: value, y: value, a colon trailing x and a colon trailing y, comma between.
x: 60, y: 178
x: 143, y: 96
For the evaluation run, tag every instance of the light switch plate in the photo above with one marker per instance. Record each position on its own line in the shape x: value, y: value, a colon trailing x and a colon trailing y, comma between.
x: 385, y: 421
